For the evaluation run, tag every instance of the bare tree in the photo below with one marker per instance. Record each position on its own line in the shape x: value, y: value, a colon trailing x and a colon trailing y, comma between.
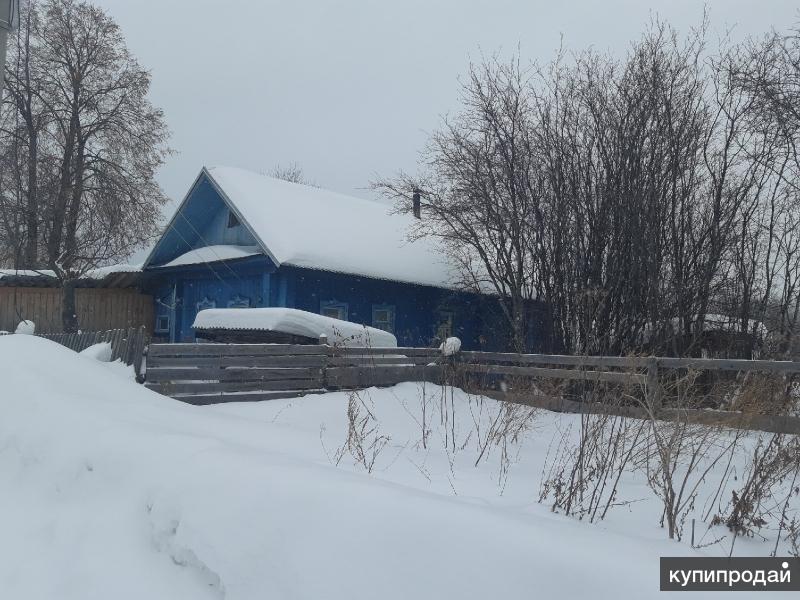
x: 88, y: 141
x: 639, y: 199
x: 293, y: 173
x: 481, y: 191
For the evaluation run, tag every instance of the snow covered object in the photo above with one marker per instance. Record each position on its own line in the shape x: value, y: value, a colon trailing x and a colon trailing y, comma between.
x: 101, y: 352
x: 450, y: 346
x: 292, y: 322
x: 26, y: 328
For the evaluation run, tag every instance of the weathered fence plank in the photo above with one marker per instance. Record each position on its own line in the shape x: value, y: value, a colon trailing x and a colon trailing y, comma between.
x: 573, y: 374
x: 625, y: 362
x: 375, y: 360
x: 353, y: 377
x: 127, y: 345
x: 302, y: 360
x: 235, y: 350
x: 204, y: 399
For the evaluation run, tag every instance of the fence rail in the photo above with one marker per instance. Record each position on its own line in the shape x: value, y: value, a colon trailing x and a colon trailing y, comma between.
x: 211, y: 373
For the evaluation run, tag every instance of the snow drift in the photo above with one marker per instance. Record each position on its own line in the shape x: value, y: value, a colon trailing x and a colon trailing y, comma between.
x: 111, y: 490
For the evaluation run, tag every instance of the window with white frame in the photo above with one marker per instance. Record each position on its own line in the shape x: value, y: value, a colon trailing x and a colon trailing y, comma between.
x: 383, y: 317
x: 162, y: 323
x: 333, y: 309
x: 239, y: 302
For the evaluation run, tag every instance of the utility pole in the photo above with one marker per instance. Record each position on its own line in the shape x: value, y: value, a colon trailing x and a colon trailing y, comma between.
x: 9, y: 19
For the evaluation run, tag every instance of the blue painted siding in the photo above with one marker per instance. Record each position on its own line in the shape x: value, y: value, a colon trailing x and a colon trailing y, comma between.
x: 202, y: 221
x: 419, y: 310
x: 215, y: 283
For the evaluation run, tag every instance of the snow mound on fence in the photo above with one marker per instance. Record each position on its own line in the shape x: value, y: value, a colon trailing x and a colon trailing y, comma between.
x: 26, y: 328
x: 450, y: 346
x: 295, y: 322
x: 102, y: 352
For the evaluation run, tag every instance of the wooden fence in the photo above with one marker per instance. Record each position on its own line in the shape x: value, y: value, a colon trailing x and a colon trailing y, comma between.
x: 211, y: 373
x: 511, y: 377
x: 127, y: 345
x: 98, y: 309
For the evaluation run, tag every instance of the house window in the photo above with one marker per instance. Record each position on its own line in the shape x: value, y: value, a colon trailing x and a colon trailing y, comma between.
x: 239, y: 302
x: 162, y: 323
x: 206, y: 303
x: 383, y: 317
x: 233, y: 220
x: 333, y: 309
x: 445, y: 328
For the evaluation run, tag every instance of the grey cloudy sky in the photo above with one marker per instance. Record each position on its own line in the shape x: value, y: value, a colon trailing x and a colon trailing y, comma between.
x: 349, y: 88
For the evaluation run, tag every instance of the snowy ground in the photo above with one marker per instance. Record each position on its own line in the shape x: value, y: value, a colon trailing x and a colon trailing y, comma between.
x: 112, y: 491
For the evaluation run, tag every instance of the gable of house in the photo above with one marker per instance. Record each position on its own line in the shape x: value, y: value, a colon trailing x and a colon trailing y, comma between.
x: 203, y: 220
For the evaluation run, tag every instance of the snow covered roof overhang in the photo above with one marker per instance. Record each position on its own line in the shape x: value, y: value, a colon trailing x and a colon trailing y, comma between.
x: 115, y: 276
x: 312, y: 228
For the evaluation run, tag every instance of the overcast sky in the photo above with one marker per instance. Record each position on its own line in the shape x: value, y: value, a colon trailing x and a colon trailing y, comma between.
x: 348, y: 89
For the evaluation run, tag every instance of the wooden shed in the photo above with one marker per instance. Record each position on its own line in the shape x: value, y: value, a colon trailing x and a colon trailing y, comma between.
x: 108, y: 300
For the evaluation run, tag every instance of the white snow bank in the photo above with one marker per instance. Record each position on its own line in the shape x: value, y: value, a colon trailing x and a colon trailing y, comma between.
x: 26, y: 328
x: 295, y: 322
x: 111, y: 490
x: 450, y: 346
x: 213, y: 253
x: 102, y: 352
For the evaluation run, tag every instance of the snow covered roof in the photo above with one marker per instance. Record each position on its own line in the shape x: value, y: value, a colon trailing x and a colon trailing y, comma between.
x: 24, y: 273
x: 97, y: 273
x: 93, y: 275
x: 209, y: 254
x: 309, y: 227
x: 295, y: 322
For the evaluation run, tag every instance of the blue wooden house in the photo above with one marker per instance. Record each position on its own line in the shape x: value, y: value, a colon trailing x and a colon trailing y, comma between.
x: 241, y: 239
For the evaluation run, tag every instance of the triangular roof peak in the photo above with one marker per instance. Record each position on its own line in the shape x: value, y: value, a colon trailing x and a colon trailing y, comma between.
x: 310, y: 227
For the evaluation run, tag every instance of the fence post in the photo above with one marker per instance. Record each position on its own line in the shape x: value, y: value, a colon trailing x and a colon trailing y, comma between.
x: 139, y: 354
x: 323, y: 341
x: 654, y: 391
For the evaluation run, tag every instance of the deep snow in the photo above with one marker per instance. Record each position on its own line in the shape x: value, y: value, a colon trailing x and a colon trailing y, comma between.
x: 112, y: 491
